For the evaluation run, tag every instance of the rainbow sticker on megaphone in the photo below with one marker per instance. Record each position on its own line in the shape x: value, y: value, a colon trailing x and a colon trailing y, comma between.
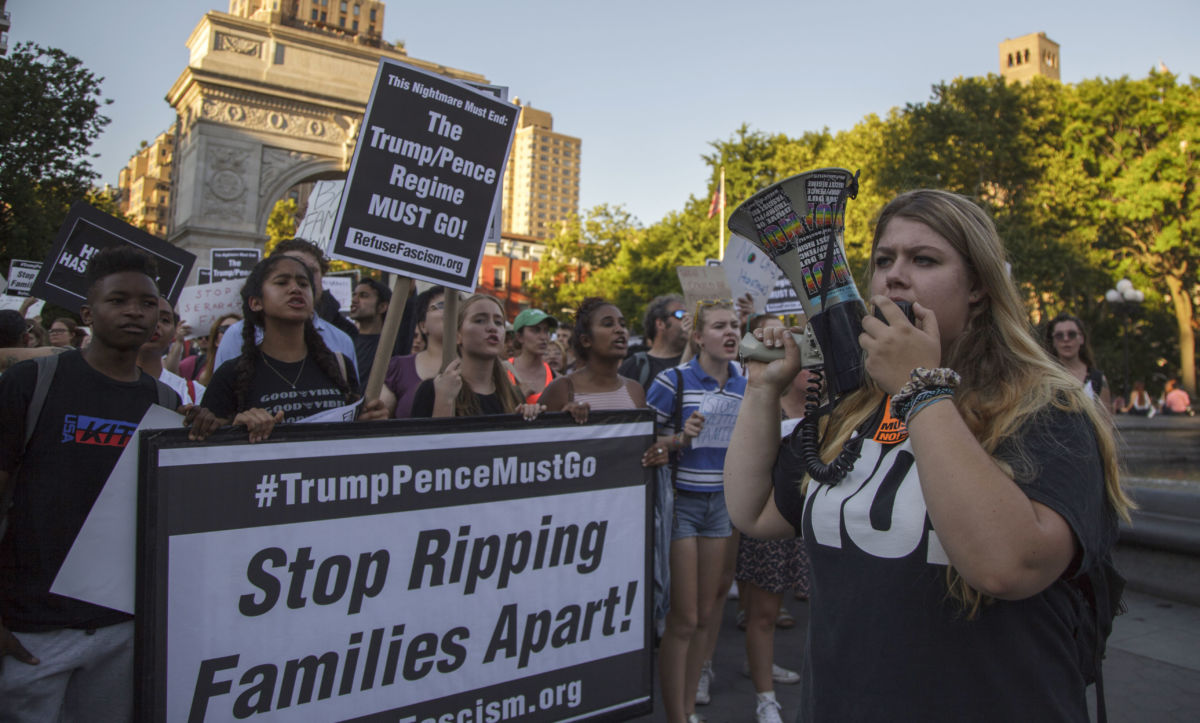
x: 791, y: 222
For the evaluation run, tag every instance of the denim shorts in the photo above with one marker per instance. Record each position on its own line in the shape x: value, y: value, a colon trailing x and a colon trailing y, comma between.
x: 700, y: 514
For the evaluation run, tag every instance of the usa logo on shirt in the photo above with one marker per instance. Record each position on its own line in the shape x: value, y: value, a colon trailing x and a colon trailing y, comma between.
x: 82, y: 429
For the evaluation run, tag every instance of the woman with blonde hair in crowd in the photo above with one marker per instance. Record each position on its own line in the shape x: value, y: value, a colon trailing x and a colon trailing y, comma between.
x: 695, y: 405
x: 982, y: 489
x: 476, y: 382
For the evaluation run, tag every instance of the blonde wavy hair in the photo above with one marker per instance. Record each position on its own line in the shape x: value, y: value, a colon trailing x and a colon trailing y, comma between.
x: 466, y: 404
x: 1007, y: 375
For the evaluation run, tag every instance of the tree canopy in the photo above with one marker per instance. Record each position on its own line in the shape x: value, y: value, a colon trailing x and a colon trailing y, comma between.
x: 49, y: 116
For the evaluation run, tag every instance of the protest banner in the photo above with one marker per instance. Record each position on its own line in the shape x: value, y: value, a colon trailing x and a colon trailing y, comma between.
x: 85, y: 232
x: 200, y: 306
x: 319, y: 214
x: 702, y: 283
x: 447, y: 569
x: 342, y: 288
x: 15, y: 302
x: 749, y: 271
x: 231, y: 264
x: 423, y: 182
x: 20, y: 276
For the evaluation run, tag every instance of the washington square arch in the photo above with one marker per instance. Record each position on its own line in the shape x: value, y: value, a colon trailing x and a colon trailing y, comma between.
x: 266, y: 103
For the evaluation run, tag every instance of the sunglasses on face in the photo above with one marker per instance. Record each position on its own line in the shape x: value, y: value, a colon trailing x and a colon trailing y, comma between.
x: 678, y: 313
x: 1065, y: 335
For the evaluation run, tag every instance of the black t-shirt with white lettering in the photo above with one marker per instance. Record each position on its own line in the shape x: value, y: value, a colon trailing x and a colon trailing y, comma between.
x: 85, y: 423
x: 272, y: 389
x: 886, y: 641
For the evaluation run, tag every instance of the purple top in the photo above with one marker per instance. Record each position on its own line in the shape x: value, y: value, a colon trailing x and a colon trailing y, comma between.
x: 402, y: 379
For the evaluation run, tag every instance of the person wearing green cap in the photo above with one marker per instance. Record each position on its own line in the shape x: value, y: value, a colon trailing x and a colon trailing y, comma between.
x: 528, y: 369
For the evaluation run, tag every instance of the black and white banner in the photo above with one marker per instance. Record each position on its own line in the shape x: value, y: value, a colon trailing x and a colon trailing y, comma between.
x: 426, y: 173
x: 233, y: 264
x: 83, y: 234
x: 20, y: 276
x: 467, y: 571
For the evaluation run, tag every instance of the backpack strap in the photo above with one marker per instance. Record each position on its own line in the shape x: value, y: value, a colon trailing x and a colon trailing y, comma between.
x: 678, y: 421
x: 46, y: 365
x: 642, y: 359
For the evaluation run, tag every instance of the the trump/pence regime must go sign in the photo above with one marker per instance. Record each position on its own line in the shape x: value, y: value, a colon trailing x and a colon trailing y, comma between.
x: 427, y: 169
x: 477, y: 570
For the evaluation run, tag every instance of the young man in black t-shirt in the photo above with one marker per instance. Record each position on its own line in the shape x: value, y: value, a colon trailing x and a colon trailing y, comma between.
x: 61, y: 657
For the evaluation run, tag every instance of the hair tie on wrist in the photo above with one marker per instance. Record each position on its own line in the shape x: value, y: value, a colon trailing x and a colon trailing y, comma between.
x: 924, y: 387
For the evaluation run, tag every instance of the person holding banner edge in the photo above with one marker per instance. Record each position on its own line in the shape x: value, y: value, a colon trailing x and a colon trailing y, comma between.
x: 59, y: 656
x: 336, y: 339
x: 998, y: 479
x: 601, y: 338
x: 476, y: 382
x: 291, y: 374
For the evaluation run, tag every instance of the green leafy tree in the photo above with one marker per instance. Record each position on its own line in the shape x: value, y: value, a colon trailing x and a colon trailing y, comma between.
x: 1131, y: 166
x: 579, y: 260
x: 49, y: 116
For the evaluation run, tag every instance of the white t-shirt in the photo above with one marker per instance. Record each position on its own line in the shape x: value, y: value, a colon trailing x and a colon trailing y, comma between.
x: 180, y: 385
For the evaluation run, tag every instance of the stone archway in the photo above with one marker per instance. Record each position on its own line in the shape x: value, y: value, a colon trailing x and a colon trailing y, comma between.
x: 260, y: 107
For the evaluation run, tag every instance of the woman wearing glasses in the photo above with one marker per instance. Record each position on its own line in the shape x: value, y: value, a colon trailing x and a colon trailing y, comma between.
x: 65, y: 332
x: 1068, y: 343
x: 695, y: 406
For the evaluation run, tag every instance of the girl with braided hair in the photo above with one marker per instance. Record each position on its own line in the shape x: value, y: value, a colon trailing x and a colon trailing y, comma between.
x: 476, y: 382
x: 291, y: 374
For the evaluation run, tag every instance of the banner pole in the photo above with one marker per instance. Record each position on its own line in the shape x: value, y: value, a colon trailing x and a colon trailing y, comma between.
x: 449, y: 327
x: 721, y: 217
x: 387, y: 336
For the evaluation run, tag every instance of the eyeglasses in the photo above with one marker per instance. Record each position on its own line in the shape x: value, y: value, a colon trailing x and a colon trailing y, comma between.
x: 1065, y: 335
x: 60, y: 331
x: 678, y: 314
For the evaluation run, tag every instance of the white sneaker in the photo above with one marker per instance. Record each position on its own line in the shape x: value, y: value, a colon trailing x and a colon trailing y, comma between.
x: 733, y: 591
x: 779, y: 674
x: 767, y: 711
x: 696, y: 718
x: 706, y: 679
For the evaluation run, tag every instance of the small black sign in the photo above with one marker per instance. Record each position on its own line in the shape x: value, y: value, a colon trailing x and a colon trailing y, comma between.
x: 233, y: 264
x: 85, y: 232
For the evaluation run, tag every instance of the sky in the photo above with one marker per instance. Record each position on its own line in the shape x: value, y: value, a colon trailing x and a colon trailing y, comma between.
x: 649, y: 85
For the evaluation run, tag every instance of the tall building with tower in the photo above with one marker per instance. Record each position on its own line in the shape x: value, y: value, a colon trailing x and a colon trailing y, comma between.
x: 1029, y: 56
x: 145, y: 185
x: 541, y: 181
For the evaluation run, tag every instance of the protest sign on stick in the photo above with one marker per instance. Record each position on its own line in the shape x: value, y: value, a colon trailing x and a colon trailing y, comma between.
x: 445, y: 569
x: 85, y: 232
x: 426, y: 171
x: 702, y: 283
x: 320, y: 213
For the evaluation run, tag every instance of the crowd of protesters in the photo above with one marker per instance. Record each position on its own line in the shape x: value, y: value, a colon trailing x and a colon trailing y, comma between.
x: 1002, y: 484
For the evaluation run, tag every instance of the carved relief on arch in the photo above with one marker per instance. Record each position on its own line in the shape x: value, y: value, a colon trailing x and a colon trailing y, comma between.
x: 246, y: 111
x: 225, y: 183
x: 236, y: 44
x: 275, y: 163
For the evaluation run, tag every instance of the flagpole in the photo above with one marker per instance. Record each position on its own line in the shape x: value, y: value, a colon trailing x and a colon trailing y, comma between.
x: 721, y: 216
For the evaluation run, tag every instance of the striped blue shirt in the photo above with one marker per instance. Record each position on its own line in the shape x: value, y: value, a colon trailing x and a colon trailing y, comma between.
x: 701, y: 466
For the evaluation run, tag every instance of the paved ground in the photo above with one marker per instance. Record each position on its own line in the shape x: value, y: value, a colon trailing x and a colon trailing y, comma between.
x: 1151, y: 675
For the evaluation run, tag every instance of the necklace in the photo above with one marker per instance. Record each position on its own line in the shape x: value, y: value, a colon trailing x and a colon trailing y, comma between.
x: 291, y: 383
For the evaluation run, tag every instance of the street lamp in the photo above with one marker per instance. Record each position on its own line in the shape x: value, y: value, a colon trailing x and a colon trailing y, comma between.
x: 1125, y: 299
